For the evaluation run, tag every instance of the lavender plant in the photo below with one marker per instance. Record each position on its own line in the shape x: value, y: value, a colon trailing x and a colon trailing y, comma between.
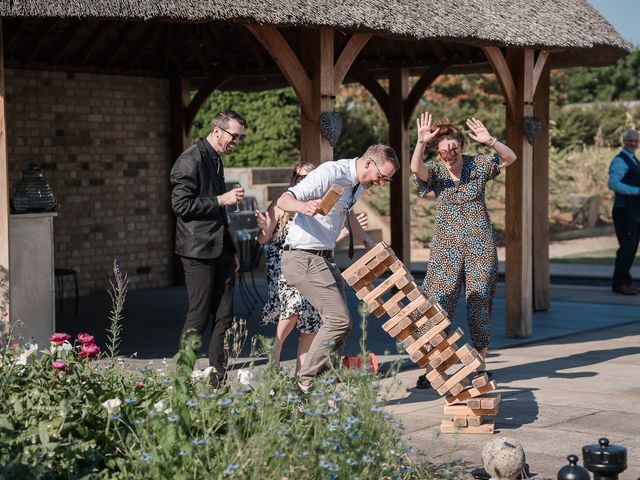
x: 118, y: 293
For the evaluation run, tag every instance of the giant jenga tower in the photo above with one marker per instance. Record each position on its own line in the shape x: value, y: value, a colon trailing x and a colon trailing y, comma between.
x: 454, y: 371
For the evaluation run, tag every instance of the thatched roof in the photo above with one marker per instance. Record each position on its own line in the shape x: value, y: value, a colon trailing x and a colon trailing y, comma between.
x: 408, y: 32
x: 548, y: 23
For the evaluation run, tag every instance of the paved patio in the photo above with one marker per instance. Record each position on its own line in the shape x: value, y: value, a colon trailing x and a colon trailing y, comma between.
x: 574, y: 380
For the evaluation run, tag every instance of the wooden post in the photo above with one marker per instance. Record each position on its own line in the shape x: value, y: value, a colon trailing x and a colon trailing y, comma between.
x: 4, y: 205
x: 317, y: 56
x: 519, y: 234
x: 541, y: 282
x: 399, y: 188
x: 180, y: 141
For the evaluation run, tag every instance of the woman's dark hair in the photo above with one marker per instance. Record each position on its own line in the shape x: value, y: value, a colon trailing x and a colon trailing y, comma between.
x: 297, y: 169
x: 448, y: 131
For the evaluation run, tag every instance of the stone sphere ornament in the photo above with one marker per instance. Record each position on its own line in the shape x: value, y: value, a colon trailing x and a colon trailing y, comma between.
x: 503, y: 458
x: 331, y: 126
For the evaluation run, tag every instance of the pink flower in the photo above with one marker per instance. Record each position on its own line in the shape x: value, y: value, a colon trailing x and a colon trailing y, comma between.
x: 15, y: 346
x: 139, y: 384
x: 58, y: 365
x: 59, y: 338
x: 89, y: 350
x: 85, y: 338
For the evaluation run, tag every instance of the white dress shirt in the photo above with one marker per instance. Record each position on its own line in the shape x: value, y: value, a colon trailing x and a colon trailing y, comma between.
x: 320, y: 231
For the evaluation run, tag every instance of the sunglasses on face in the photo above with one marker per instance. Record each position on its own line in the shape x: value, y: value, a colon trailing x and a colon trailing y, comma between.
x: 235, y: 137
x: 444, y: 154
x: 380, y: 175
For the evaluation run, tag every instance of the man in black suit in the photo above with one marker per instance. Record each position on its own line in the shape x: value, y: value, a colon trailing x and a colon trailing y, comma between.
x: 203, y: 242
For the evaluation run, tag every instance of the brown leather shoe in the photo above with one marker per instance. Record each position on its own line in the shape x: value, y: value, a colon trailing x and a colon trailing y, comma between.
x: 624, y: 290
x: 633, y: 287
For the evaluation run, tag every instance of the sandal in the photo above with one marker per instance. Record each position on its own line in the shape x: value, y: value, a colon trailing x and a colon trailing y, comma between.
x: 423, y: 383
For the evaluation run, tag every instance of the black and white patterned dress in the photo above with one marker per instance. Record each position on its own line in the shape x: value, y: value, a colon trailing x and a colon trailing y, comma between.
x: 283, y: 299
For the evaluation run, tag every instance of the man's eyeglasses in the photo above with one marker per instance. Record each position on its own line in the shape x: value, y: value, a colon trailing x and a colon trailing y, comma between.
x: 235, y: 137
x: 444, y: 154
x: 380, y: 175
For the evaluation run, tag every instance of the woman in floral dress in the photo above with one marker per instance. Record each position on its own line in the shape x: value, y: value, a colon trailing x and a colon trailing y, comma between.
x: 285, y: 306
x: 463, y: 248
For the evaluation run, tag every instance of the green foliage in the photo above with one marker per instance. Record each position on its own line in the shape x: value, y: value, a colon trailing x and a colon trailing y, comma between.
x: 616, y: 82
x: 65, y: 417
x: 273, y: 121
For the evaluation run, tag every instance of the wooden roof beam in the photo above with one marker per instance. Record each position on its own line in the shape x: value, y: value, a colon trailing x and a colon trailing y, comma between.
x: 148, y: 36
x: 90, y: 45
x: 212, y: 83
x: 503, y: 75
x: 42, y: 42
x: 373, y: 87
x: 538, y: 68
x: 354, y: 46
x: 424, y: 82
x: 67, y: 41
x: 281, y: 52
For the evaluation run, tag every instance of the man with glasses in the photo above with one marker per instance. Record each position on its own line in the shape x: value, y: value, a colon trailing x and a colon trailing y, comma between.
x: 624, y: 180
x: 312, y: 238
x: 203, y: 242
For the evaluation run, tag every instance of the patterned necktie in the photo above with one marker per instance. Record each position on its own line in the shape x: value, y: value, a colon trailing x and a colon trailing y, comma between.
x: 352, y: 201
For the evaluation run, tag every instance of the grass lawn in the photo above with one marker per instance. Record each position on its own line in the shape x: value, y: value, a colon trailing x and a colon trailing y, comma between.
x: 601, y: 257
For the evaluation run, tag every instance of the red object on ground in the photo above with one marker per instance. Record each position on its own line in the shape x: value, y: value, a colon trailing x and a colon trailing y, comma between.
x: 355, y: 361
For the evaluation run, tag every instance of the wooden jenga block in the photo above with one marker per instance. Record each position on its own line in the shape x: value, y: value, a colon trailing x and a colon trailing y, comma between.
x: 480, y: 380
x: 395, y: 278
x: 432, y: 332
x: 447, y: 426
x: 393, y: 305
x: 443, y: 357
x: 460, y: 421
x: 459, y: 375
x: 464, y: 354
x: 432, y: 320
x: 470, y: 393
x: 474, y: 421
x: 459, y: 410
x: 367, y: 257
x: 459, y: 387
x: 412, y: 330
x: 437, y: 339
x: 433, y: 374
x: 329, y: 199
x: 417, y: 304
x: 360, y: 294
x: 490, y: 401
x: 401, y: 325
x: 426, y: 357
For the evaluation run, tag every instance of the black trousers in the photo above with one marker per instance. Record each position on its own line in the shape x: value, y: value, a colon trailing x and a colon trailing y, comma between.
x: 627, y: 225
x: 210, y: 286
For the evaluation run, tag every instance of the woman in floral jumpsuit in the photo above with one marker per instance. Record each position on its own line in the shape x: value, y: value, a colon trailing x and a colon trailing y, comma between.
x: 463, y: 248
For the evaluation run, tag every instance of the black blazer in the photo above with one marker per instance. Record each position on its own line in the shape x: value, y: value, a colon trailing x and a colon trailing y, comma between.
x: 201, y: 224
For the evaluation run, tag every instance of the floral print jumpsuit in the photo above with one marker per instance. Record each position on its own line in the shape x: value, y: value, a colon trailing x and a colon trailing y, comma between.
x: 463, y: 248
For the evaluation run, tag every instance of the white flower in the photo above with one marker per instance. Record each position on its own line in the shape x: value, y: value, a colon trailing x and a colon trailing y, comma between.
x: 65, y: 347
x: 158, y: 406
x: 247, y: 377
x: 30, y: 349
x: 202, y: 374
x: 112, y: 405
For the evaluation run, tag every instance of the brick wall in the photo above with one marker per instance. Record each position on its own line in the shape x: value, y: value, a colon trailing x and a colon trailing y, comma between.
x: 104, y: 144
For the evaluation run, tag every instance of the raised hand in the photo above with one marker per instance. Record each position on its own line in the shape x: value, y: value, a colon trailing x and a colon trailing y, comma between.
x: 423, y: 122
x: 264, y: 221
x: 479, y: 131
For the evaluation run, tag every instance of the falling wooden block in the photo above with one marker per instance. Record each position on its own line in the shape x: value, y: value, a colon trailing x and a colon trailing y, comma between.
x: 437, y: 339
x: 396, y: 278
x: 459, y: 387
x: 368, y: 256
x: 361, y: 293
x: 480, y: 380
x: 329, y: 199
x: 424, y: 339
x: 450, y: 340
x: 411, y: 307
x: 443, y: 357
x: 470, y: 393
x: 490, y: 401
x: 459, y: 375
x: 447, y: 426
x: 393, y: 305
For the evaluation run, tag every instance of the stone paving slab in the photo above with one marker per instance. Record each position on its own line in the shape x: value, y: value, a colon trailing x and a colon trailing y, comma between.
x: 556, y: 398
